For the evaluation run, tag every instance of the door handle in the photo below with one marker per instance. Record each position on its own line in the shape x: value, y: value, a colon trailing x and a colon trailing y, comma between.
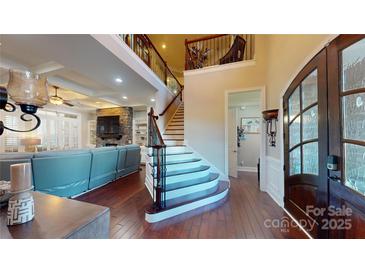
x: 335, y: 179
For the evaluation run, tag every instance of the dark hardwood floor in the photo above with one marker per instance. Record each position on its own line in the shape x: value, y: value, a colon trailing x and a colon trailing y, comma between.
x: 241, y: 215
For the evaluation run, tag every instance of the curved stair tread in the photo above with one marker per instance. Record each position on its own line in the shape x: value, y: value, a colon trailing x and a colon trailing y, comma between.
x: 176, y: 162
x: 174, y: 203
x: 192, y: 182
x: 185, y: 171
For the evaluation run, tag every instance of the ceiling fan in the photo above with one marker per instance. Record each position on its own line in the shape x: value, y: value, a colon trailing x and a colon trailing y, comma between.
x: 57, y: 100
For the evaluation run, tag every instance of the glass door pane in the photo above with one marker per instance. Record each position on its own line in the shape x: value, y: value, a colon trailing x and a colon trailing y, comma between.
x: 295, y: 161
x: 310, y: 124
x: 310, y: 158
x: 294, y: 104
x: 353, y: 66
x: 294, y: 132
x: 355, y: 167
x: 354, y: 116
x: 309, y: 90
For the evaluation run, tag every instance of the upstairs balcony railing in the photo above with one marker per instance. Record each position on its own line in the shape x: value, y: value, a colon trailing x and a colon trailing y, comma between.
x: 144, y: 48
x: 218, y: 49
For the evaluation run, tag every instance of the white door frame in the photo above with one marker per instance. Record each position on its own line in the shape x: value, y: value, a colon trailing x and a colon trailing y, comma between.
x: 262, y: 131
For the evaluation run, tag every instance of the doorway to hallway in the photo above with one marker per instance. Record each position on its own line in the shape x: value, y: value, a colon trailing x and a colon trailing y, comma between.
x: 243, y: 130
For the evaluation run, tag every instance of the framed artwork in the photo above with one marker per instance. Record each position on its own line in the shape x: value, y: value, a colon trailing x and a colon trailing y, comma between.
x: 250, y: 125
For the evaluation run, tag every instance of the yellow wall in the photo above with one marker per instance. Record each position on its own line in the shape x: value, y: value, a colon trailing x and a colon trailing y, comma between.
x: 204, y: 97
x: 286, y: 55
x: 278, y: 59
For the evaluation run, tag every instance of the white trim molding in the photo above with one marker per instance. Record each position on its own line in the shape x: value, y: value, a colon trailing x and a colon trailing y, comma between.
x: 274, y: 179
x: 262, y: 90
x: 218, y: 68
x: 247, y: 168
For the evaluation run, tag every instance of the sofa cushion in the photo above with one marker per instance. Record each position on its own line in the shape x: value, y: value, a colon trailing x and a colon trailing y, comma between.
x: 122, y: 153
x: 103, y: 166
x: 133, y: 157
x: 56, y: 153
x: 63, y: 175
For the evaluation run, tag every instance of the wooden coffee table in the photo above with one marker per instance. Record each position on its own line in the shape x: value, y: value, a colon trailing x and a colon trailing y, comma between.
x: 57, y: 217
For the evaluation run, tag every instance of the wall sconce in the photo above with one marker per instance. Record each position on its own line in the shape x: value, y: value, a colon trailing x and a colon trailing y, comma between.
x: 29, y: 91
x: 271, y: 117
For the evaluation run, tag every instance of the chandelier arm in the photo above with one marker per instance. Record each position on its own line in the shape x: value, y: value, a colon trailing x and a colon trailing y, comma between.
x: 22, y: 117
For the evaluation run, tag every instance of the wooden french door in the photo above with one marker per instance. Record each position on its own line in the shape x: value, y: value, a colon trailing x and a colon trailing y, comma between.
x: 324, y: 139
x: 305, y: 140
x: 346, y: 98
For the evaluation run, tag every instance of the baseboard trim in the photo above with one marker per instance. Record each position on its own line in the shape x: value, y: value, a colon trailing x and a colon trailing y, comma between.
x: 247, y: 169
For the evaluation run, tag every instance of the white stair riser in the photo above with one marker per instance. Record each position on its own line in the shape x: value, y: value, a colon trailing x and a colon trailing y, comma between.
x: 153, y: 218
x: 180, y: 166
x: 174, y: 131
x: 174, y: 157
x: 175, y: 128
x: 170, y: 180
x: 191, y: 189
x: 188, y: 176
x: 173, y: 143
x: 172, y: 136
x: 177, y: 149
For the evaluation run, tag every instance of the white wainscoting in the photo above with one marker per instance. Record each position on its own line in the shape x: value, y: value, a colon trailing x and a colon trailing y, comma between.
x: 275, y: 180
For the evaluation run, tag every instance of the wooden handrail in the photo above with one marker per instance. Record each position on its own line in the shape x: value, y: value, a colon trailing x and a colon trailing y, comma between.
x: 159, y: 55
x: 158, y: 146
x: 128, y: 38
x: 172, y: 101
x: 154, y: 126
x: 208, y: 37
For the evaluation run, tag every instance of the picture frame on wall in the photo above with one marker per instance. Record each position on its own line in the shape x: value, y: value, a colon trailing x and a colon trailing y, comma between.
x: 250, y: 125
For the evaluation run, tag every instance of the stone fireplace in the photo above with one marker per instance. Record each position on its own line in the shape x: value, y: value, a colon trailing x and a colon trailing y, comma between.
x: 126, y: 123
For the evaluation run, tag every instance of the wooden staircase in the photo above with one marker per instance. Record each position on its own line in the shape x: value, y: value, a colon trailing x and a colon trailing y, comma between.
x: 190, y: 182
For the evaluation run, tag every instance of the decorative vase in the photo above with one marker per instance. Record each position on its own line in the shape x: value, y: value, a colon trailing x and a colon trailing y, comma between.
x: 20, y: 208
x: 21, y: 203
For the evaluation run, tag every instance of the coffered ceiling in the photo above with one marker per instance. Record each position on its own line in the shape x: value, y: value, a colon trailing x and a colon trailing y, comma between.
x: 79, y: 64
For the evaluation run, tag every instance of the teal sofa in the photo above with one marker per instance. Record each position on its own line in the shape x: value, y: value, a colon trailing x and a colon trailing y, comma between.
x: 70, y: 173
x: 63, y: 174
x: 122, y: 154
x: 132, y: 159
x: 103, y: 166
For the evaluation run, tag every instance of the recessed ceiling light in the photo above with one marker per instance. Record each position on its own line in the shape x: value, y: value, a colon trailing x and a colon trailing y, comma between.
x: 163, y: 46
x: 118, y: 80
x: 97, y: 102
x: 153, y: 99
x: 125, y: 97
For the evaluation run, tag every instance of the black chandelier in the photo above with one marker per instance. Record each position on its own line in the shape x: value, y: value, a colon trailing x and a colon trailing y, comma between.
x: 29, y: 91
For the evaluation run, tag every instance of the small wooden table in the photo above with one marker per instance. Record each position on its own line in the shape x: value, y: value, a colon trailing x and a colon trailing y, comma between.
x: 57, y: 217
